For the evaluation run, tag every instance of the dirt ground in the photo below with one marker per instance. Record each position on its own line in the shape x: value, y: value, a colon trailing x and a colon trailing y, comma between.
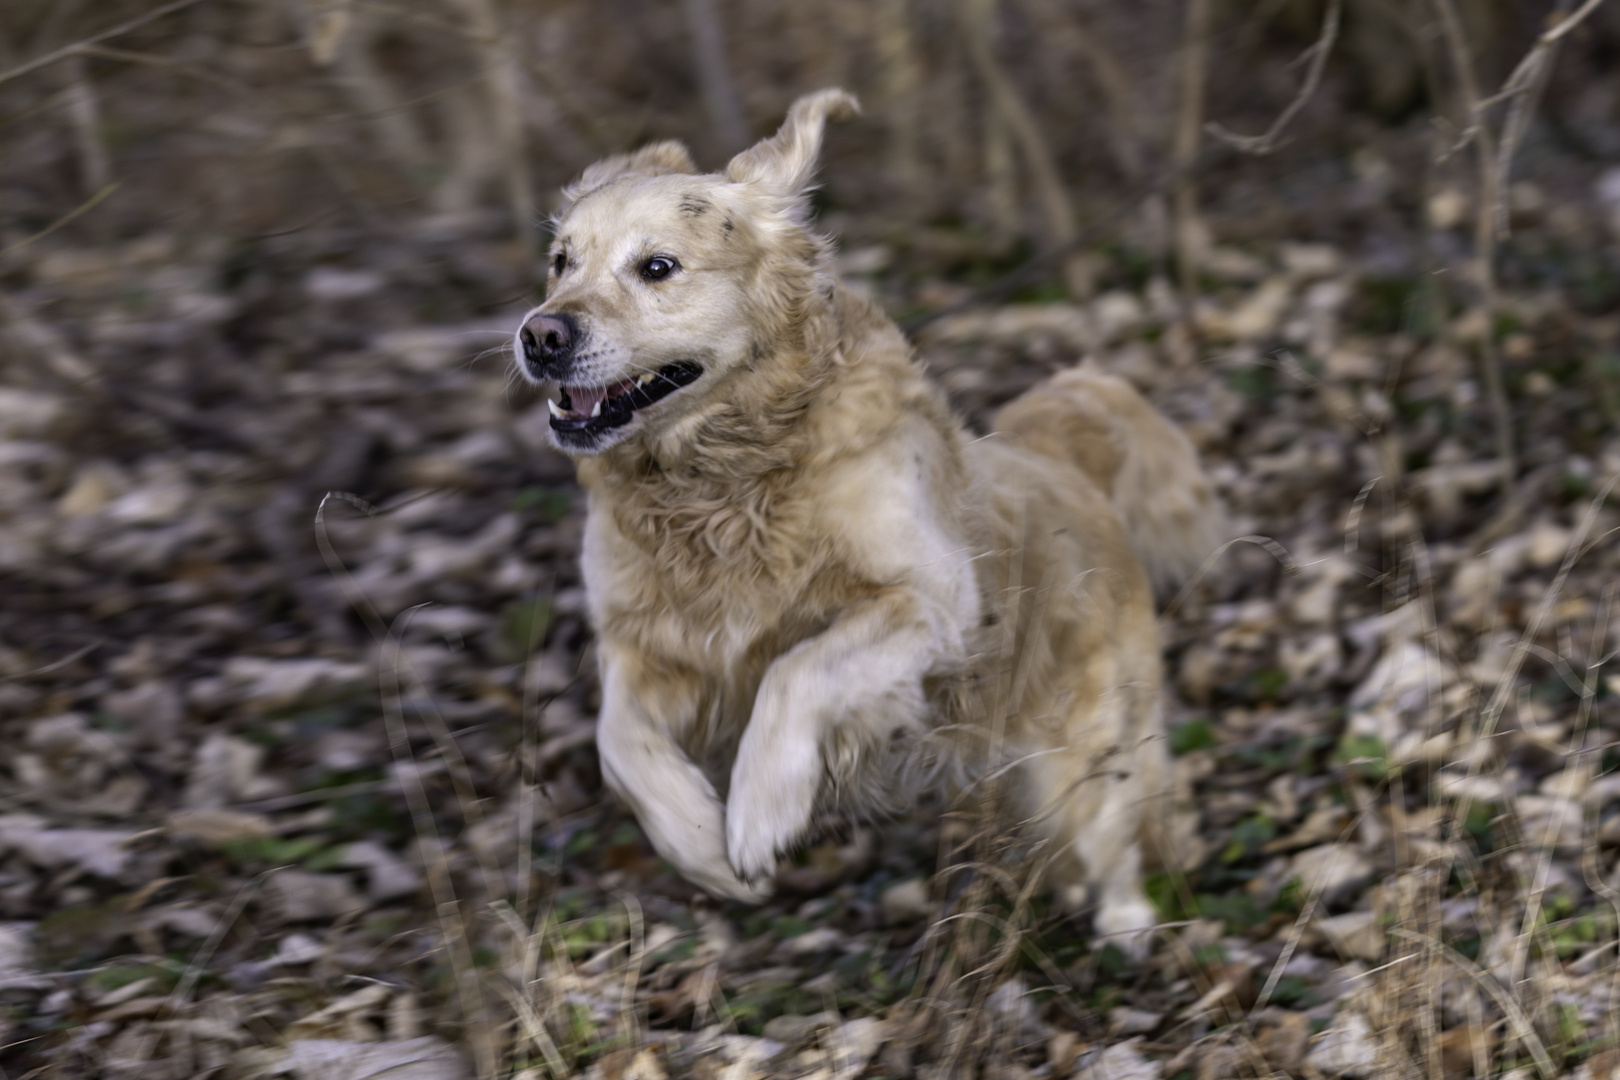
x: 297, y: 693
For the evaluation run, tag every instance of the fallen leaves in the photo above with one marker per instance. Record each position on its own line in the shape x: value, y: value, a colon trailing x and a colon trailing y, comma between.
x: 276, y: 851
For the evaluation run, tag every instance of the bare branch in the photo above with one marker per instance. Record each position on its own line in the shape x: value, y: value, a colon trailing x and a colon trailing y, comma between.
x: 714, y: 73
x: 505, y: 94
x: 1184, y: 147
x: 1524, y: 88
x: 1024, y: 129
x: 94, y: 39
x: 83, y: 208
x: 1260, y: 145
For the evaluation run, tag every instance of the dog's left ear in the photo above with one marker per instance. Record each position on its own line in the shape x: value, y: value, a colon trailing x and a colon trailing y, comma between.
x: 784, y: 163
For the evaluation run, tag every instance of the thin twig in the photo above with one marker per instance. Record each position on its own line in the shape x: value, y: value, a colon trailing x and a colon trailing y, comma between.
x: 83, y: 208
x: 1261, y: 145
x: 94, y: 39
x: 1524, y: 87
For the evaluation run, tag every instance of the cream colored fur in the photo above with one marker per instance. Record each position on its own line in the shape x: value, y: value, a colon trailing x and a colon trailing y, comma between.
x: 811, y: 586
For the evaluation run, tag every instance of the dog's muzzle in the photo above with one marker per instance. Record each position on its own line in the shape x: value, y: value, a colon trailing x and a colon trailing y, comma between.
x: 592, y: 409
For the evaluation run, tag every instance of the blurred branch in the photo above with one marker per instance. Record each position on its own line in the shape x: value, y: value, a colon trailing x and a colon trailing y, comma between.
x: 84, y: 112
x: 1076, y: 32
x: 1484, y: 231
x: 1523, y: 88
x: 714, y: 74
x: 597, y: 128
x: 1054, y: 200
x: 1494, y: 166
x: 182, y: 67
x: 500, y: 74
x: 83, y: 208
x: 1042, y: 266
x: 358, y: 74
x: 901, y: 76
x: 94, y: 39
x: 1184, y: 148
x: 1260, y: 145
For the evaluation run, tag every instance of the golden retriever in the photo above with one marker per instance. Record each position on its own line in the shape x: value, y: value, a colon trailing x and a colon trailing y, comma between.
x: 812, y: 588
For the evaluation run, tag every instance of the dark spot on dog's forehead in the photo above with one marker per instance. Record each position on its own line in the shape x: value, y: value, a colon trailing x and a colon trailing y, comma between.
x: 694, y: 206
x: 728, y: 225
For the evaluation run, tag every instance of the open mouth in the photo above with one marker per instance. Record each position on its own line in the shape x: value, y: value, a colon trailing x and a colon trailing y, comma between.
x: 600, y: 408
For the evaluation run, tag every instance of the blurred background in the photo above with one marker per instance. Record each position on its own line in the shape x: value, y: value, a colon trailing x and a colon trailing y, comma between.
x: 990, y: 124
x: 296, y: 688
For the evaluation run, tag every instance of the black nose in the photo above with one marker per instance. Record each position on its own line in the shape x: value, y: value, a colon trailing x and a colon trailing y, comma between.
x: 548, y: 341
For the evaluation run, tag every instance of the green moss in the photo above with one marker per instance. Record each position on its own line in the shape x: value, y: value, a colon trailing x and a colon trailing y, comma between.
x: 545, y: 505
x: 1363, y: 755
x: 1191, y: 735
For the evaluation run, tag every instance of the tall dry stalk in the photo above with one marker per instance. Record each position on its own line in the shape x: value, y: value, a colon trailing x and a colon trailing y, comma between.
x: 1013, y: 122
x: 1190, y: 234
x: 1494, y: 156
x: 84, y: 113
x: 503, y: 81
x: 713, y: 69
x: 1077, y: 34
x: 1484, y: 268
x: 349, y: 49
x: 901, y: 78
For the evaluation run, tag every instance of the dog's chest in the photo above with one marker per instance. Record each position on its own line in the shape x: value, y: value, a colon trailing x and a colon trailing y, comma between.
x: 722, y: 609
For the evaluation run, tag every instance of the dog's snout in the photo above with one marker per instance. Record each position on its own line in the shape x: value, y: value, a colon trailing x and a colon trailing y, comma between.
x: 548, y: 341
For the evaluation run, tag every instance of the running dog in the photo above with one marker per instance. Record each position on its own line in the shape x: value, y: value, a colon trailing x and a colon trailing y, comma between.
x: 812, y: 588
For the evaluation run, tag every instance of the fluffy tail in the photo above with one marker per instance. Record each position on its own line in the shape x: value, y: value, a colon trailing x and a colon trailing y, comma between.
x: 1142, y: 462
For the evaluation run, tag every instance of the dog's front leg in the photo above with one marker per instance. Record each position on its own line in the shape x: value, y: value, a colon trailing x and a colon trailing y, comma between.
x: 864, y: 670
x: 642, y: 709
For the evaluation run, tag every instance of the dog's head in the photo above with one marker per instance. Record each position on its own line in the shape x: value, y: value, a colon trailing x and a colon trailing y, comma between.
x: 664, y: 281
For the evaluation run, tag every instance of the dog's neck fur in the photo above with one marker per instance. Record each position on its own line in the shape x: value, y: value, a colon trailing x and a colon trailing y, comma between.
x: 711, y: 489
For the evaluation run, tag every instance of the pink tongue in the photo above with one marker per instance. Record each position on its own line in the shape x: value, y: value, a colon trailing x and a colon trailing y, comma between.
x: 582, y: 399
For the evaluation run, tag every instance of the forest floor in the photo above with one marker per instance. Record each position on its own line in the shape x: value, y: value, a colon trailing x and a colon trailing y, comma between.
x: 300, y: 783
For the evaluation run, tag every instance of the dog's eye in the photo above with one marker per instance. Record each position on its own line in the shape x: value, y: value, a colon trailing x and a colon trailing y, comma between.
x: 559, y: 262
x: 659, y: 267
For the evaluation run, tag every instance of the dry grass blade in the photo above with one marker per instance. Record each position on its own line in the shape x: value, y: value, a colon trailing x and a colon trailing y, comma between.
x: 452, y: 920
x: 181, y: 993
x: 533, y: 1024
x: 1522, y: 1029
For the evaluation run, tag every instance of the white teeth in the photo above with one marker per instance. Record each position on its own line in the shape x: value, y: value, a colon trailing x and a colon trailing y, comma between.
x: 644, y: 380
x: 596, y: 410
x: 553, y: 406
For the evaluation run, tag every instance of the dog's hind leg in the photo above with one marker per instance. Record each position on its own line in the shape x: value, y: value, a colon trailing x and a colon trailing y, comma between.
x: 1091, y: 796
x: 642, y: 709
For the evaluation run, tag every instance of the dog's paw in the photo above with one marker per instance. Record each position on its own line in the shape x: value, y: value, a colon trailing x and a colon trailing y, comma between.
x: 723, y: 883
x: 754, y: 854
x: 769, y: 812
x: 1127, y: 925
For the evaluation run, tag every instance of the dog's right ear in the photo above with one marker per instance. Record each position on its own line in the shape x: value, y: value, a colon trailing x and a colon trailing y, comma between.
x: 655, y: 159
x: 784, y: 164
